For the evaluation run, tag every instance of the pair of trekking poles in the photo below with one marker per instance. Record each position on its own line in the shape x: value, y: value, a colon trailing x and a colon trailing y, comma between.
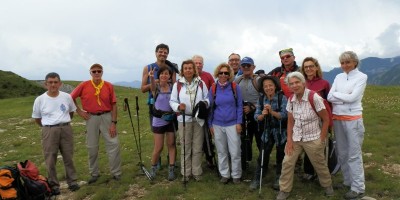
x: 137, y: 141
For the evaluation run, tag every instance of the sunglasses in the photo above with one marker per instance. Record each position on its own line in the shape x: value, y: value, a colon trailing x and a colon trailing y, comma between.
x: 246, y: 65
x: 224, y: 73
x: 285, y: 57
x: 97, y: 71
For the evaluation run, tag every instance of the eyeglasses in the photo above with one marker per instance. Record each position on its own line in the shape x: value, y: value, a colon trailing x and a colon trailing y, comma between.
x: 97, y: 71
x: 286, y: 57
x: 309, y: 66
x: 234, y: 59
x: 224, y: 73
x: 246, y: 65
x: 52, y: 82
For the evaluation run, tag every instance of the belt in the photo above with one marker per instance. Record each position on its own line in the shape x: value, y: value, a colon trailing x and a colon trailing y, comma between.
x: 61, y: 124
x: 99, y: 113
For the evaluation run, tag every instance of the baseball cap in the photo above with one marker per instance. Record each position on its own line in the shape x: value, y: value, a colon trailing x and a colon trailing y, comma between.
x: 247, y: 60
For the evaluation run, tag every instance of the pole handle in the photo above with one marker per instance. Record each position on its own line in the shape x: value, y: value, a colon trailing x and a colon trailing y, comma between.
x: 137, y: 102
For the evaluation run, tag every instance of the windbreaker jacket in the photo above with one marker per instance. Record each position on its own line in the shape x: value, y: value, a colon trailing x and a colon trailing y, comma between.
x: 347, y: 92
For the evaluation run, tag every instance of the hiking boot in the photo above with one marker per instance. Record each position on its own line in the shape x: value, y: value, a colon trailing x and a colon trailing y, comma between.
x: 255, y: 184
x: 55, y: 191
x: 224, y: 180
x: 158, y: 164
x: 197, y: 178
x: 117, y: 177
x: 171, y: 173
x: 340, y: 186
x: 282, y: 195
x: 236, y: 180
x: 93, y: 179
x: 153, y: 171
x: 275, y: 185
x: 329, y: 191
x: 74, y: 187
x: 353, y: 195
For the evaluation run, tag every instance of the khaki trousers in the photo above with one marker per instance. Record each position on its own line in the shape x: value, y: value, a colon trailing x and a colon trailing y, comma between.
x: 315, y: 151
x: 194, y: 136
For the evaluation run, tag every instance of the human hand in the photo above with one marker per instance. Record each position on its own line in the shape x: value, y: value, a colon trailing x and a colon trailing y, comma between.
x: 239, y: 129
x: 182, y: 107
x: 113, y: 130
x: 246, y: 109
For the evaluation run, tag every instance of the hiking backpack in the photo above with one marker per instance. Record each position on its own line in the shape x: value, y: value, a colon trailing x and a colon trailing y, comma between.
x: 10, y: 183
x: 36, y: 185
x: 253, y: 81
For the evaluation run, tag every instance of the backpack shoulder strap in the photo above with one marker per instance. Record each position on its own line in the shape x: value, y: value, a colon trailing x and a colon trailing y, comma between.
x: 280, y: 96
x: 254, y: 81
x: 234, y: 91
x: 240, y: 78
x: 311, y: 100
x: 178, y: 87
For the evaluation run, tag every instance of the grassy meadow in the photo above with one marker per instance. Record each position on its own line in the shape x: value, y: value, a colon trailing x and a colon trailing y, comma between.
x: 20, y: 140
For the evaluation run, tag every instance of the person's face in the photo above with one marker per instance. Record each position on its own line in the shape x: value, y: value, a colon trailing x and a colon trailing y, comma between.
x: 234, y: 62
x: 247, y: 69
x: 199, y: 64
x: 188, y: 71
x: 53, y: 85
x: 96, y: 73
x: 287, y: 59
x: 162, y: 54
x: 348, y: 65
x: 164, y: 76
x: 269, y: 87
x: 296, y: 85
x: 310, y: 69
x: 223, y: 75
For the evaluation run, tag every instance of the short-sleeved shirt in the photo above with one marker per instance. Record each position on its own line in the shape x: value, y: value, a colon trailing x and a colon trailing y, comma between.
x: 53, y: 110
x: 306, y: 121
x: 86, y: 92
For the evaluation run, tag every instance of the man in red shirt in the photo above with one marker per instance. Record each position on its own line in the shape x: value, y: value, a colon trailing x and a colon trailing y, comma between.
x: 205, y: 76
x: 99, y: 109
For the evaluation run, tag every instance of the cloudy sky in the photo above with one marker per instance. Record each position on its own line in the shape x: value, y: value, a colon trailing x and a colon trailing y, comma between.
x: 67, y: 36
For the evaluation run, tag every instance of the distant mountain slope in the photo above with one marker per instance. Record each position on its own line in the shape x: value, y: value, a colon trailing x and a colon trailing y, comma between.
x: 12, y: 85
x: 133, y: 84
x: 380, y: 71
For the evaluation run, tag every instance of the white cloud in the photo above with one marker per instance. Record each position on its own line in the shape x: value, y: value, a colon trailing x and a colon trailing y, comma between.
x: 69, y: 36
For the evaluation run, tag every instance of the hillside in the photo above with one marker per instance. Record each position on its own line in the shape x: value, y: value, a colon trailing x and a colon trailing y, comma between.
x: 12, y: 85
x: 380, y: 71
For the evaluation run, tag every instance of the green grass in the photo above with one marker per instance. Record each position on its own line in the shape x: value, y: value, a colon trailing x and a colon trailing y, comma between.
x: 21, y: 140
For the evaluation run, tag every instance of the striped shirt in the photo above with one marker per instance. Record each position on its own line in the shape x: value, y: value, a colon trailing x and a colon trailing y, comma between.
x: 306, y: 121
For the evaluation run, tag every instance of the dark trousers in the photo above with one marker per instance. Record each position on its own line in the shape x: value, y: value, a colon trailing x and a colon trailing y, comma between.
x: 250, y: 130
x: 280, y: 154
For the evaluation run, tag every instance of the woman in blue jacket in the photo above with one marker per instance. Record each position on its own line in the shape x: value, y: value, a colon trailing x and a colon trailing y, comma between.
x: 225, y: 122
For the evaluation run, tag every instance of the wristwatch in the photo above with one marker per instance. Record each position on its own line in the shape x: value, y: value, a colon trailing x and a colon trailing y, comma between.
x: 115, y: 122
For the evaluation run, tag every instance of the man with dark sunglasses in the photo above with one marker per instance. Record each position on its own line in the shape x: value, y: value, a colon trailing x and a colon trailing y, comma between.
x: 249, y: 88
x: 99, y: 109
x: 288, y: 65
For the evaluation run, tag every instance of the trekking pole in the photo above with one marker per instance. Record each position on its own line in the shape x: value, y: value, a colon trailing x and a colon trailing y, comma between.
x: 126, y: 105
x: 263, y: 149
x: 184, y: 150
x: 208, y: 142
x: 246, y: 142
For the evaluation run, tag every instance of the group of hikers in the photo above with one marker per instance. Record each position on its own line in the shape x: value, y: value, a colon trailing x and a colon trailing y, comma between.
x: 287, y: 108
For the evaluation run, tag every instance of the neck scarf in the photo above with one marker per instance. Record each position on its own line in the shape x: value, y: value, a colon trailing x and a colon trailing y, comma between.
x: 98, y: 88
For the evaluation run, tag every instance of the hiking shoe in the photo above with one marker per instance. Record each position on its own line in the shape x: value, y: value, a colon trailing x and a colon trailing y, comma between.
x: 329, y: 191
x: 171, y: 173
x: 55, y: 191
x: 236, y: 180
x: 353, y: 195
x: 340, y: 186
x: 153, y: 171
x: 73, y: 187
x: 197, y: 178
x: 255, y: 184
x: 93, y: 179
x: 117, y: 177
x: 282, y: 195
x: 224, y: 180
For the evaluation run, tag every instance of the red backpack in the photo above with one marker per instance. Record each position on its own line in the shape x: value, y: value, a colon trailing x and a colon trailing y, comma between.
x: 326, y: 103
x: 36, y: 185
